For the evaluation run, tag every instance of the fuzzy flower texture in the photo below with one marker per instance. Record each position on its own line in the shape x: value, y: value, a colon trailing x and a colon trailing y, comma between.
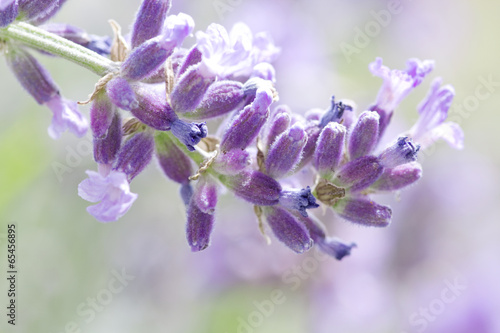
x: 157, y: 103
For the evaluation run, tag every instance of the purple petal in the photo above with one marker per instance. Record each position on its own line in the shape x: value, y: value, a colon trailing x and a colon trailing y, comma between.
x: 66, y: 116
x: 8, y: 12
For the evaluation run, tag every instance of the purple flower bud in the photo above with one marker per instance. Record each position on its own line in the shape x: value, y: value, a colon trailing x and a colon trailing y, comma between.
x: 199, y: 227
x: 189, y: 90
x: 39, y: 11
x: 364, y: 135
x: 189, y: 133
x: 246, y: 125
x: 396, y: 86
x: 329, y: 149
x: 331, y: 246
x: 186, y: 192
x: 149, y: 20
x: 399, y: 177
x: 221, y: 97
x: 400, y: 152
x: 121, y: 94
x: 254, y: 186
x: 288, y: 229
x: 285, y: 152
x: 205, y: 194
x: 264, y: 71
x: 192, y: 58
x: 360, y: 173
x: 364, y: 211
x: 98, y: 44
x: 278, y: 123
x: 433, y: 111
x: 313, y: 131
x: 334, y: 113
x: 232, y: 162
x: 107, y: 146
x: 135, y: 154
x: 8, y: 12
x: 153, y: 109
x: 299, y: 200
x: 112, y: 191
x: 174, y: 163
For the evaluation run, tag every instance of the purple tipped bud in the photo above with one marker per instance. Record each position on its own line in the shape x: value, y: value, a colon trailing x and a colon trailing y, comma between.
x: 174, y: 163
x: 364, y: 135
x: 189, y: 90
x: 364, y: 211
x: 39, y: 11
x: 107, y: 146
x: 265, y: 71
x: 360, y: 173
x: 186, y: 192
x: 331, y: 246
x: 299, y: 200
x: 8, y: 12
x: 401, y: 152
x: 278, y: 123
x: 146, y: 58
x: 288, y: 229
x: 399, y: 177
x: 189, y: 133
x: 192, y: 58
x: 329, y: 149
x: 222, y: 97
x: 232, y: 162
x: 254, y: 186
x: 205, y: 195
x: 334, y: 113
x: 98, y: 44
x: 121, y: 94
x: 135, y: 154
x: 285, y: 152
x: 199, y: 227
x: 313, y: 131
x: 246, y: 125
x: 153, y: 110
x: 149, y: 20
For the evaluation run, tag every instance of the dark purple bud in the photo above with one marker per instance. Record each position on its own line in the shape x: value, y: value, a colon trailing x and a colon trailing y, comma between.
x: 106, y: 147
x: 246, y: 125
x: 39, y: 11
x: 8, y: 12
x: 205, y: 194
x: 285, y: 153
x: 221, y: 97
x: 193, y: 57
x: 299, y: 200
x: 98, y: 44
x: 121, y: 94
x: 334, y: 113
x: 329, y: 245
x: 174, y: 163
x: 364, y: 211
x: 199, y: 227
x: 399, y: 177
x: 232, y: 162
x: 32, y: 76
x: 153, y: 109
x: 288, y: 229
x: 186, y: 192
x: 149, y: 20
x: 189, y: 90
x: 102, y: 112
x: 279, y: 121
x: 360, y: 173
x: 364, y: 135
x: 329, y: 149
x: 400, y: 152
x: 265, y: 71
x: 254, y: 186
x: 189, y: 133
x: 146, y: 58
x: 135, y: 154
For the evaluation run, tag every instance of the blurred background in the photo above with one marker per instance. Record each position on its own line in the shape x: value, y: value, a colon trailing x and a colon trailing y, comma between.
x: 435, y: 269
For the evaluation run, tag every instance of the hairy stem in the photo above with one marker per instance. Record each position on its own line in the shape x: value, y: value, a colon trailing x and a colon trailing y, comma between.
x: 42, y: 40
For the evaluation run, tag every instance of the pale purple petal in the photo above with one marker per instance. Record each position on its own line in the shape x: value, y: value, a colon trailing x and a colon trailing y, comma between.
x: 66, y: 116
x: 450, y: 132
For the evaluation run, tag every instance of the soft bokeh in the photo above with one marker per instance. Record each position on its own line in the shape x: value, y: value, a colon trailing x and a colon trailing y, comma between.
x: 435, y: 269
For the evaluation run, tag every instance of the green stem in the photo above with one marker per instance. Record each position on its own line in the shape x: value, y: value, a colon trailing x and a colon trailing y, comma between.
x: 49, y: 42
